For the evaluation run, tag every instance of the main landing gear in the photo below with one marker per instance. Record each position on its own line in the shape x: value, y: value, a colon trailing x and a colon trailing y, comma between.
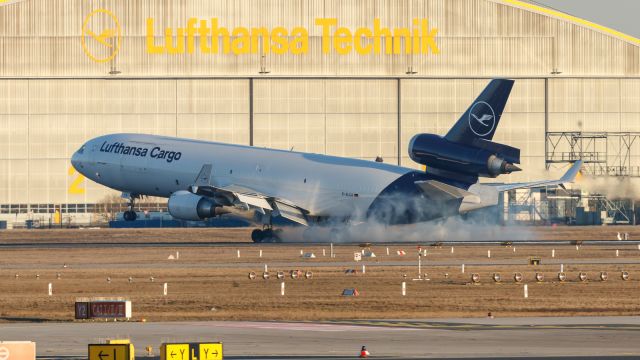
x: 130, y: 215
x: 267, y: 234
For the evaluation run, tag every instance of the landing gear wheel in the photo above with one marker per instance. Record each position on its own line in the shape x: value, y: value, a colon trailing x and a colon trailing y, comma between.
x: 267, y: 235
x: 130, y: 215
x: 257, y: 236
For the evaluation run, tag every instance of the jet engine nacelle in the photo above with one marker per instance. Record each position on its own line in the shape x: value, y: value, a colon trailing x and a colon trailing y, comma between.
x: 482, y: 160
x: 188, y: 206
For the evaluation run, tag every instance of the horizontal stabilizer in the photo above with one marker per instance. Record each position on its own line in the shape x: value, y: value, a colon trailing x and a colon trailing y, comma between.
x: 568, y: 177
x: 441, y: 191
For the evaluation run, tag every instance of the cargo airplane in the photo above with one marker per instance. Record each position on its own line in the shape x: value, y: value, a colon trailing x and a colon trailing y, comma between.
x: 205, y: 179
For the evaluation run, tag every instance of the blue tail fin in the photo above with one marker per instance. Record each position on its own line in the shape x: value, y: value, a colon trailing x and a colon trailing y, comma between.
x: 481, y: 119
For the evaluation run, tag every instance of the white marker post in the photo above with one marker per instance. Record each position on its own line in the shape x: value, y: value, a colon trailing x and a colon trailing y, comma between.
x: 526, y: 291
x: 553, y: 253
x: 514, y: 249
x: 331, y: 250
x: 266, y: 268
x: 177, y: 255
x: 388, y: 250
x: 323, y: 252
x: 404, y: 288
x: 577, y: 248
x: 301, y: 252
x: 260, y: 254
x: 238, y: 251
x: 165, y: 289
x: 488, y: 253
x: 282, y: 288
x: 452, y: 249
x: 561, y: 267
x: 364, y: 269
x: 617, y: 253
x: 50, y: 289
x: 463, y: 268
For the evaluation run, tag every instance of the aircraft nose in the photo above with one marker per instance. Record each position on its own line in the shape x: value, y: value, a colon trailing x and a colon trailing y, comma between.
x: 76, y: 158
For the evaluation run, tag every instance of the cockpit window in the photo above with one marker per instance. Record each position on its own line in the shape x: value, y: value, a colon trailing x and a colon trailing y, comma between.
x: 81, y: 150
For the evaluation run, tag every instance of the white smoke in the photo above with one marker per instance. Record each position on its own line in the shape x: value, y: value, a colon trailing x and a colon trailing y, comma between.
x: 612, y: 187
x: 375, y: 229
x: 448, y: 230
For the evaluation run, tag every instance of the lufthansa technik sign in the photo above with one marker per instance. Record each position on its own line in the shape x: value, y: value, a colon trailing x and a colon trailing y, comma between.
x: 214, y: 39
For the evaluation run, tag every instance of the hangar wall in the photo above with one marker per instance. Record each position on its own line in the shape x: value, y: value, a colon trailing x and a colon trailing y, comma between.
x: 53, y: 97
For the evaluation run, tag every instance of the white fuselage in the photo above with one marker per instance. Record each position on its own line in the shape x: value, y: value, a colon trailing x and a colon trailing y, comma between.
x: 158, y: 166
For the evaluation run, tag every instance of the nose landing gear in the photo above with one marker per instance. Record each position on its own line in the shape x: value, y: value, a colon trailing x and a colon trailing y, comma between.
x: 130, y: 215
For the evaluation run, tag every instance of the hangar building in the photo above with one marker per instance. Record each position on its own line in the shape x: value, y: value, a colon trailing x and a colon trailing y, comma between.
x: 355, y: 78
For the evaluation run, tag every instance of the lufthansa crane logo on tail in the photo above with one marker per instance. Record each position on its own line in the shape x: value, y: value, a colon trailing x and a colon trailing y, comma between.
x: 482, y: 119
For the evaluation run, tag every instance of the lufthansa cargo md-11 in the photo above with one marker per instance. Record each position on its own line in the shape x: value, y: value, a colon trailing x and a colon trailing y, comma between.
x: 205, y: 179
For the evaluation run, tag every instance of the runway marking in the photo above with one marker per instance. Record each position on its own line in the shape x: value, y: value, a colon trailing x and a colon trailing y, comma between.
x: 303, y: 326
x: 471, y: 326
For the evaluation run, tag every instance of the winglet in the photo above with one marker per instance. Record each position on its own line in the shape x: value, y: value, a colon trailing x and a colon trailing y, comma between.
x: 571, y: 174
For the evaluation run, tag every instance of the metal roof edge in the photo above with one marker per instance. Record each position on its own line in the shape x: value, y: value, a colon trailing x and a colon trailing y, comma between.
x: 571, y: 18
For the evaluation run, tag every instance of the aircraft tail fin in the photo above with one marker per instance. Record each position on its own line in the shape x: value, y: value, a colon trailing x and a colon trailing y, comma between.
x: 481, y: 119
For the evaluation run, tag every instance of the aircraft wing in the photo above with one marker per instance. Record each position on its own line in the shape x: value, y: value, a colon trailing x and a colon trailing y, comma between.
x: 247, y: 198
x: 568, y: 177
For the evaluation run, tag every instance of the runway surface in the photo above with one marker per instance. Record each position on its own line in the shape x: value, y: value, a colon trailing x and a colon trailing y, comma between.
x: 64, y: 244
x: 321, y: 264
x: 529, y: 338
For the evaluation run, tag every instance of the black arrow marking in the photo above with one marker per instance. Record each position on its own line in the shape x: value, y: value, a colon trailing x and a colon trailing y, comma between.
x: 101, y: 355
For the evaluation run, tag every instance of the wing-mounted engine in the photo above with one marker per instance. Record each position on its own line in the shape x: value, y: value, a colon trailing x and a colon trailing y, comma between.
x: 189, y: 206
x: 479, y: 158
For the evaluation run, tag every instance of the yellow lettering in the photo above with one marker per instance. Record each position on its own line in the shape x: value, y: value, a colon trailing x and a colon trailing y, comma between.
x: 214, y: 39
x: 377, y: 34
x: 360, y: 37
x: 429, y: 39
x: 242, y: 42
x: 76, y: 187
x: 151, y: 46
x: 342, y: 40
x: 280, y: 41
x: 415, y: 47
x: 168, y: 38
x: 397, y: 41
x: 191, y: 35
x: 256, y: 34
x: 216, y: 33
x: 300, y: 42
x: 203, y: 31
x: 326, y: 35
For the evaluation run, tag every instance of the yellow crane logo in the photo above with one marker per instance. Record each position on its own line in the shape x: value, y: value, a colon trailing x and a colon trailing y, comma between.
x: 101, y: 35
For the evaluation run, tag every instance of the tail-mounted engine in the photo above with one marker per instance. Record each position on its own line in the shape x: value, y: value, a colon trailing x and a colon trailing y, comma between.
x: 480, y: 158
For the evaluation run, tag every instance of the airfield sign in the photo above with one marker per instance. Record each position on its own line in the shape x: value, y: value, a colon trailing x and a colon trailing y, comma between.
x: 109, y: 351
x: 191, y: 351
x: 210, y: 351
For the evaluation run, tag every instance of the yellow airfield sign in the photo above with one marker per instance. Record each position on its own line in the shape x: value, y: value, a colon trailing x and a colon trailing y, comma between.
x: 176, y: 352
x: 109, y: 351
x: 210, y: 351
x: 191, y: 351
